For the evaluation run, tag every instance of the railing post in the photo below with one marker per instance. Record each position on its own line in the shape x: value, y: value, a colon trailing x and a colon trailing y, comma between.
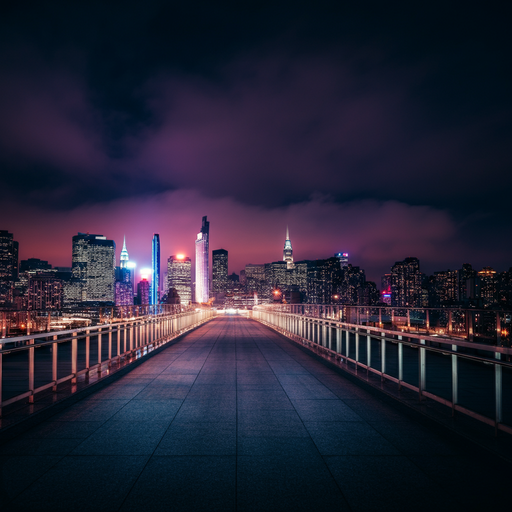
x: 498, y: 382
x: 1, y: 377
x: 74, y: 356
x: 455, y: 380
x: 87, y: 352
x: 400, y: 364
x: 383, y: 356
x: 110, y: 346
x: 31, y: 356
x: 119, y: 342
x: 368, y: 354
x: 357, y: 346
x: 55, y: 376
x: 338, y: 339
x: 422, y: 369
x: 99, y: 350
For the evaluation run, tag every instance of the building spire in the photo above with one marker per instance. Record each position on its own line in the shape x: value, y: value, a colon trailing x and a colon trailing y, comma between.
x: 288, y: 252
x: 124, y: 255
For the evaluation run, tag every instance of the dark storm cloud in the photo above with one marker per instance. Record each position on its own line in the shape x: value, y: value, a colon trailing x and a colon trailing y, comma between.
x: 397, y: 122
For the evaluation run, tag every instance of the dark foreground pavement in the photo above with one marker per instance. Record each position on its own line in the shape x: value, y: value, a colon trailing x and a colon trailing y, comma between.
x: 235, y: 417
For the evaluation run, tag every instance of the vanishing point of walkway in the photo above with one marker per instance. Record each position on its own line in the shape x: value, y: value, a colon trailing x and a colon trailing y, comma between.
x: 235, y: 417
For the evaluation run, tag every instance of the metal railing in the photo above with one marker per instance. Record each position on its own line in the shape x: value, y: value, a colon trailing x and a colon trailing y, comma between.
x: 464, y: 375
x: 481, y: 325
x: 19, y: 323
x: 33, y: 363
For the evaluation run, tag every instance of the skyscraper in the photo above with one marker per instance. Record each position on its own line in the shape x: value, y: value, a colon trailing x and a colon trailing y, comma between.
x: 179, y: 277
x: 406, y: 283
x: 93, y: 267
x: 343, y: 258
x: 287, y: 251
x: 8, y: 266
x: 202, y: 263
x: 219, y: 271
x: 124, y: 258
x: 155, y: 266
x: 143, y: 292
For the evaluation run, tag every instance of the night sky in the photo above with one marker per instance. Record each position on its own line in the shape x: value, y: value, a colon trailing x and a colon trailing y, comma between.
x: 383, y: 130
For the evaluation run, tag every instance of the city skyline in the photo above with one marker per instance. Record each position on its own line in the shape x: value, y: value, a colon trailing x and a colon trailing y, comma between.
x: 144, y: 262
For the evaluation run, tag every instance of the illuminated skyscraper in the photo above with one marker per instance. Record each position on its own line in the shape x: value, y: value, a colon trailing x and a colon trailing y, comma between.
x: 8, y: 266
x: 124, y: 258
x: 155, y: 266
x: 219, y: 271
x: 287, y: 251
x: 179, y: 277
x: 343, y: 258
x: 406, y: 283
x: 93, y: 267
x: 143, y: 292
x: 202, y: 264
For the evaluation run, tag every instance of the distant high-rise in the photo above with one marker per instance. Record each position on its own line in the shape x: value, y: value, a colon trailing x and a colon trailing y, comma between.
x: 124, y: 258
x: 179, y: 277
x: 406, y: 283
x: 8, y: 266
x: 202, y: 263
x: 93, y: 265
x: 155, y: 266
x: 288, y: 251
x: 343, y: 258
x: 219, y: 271
x: 143, y: 292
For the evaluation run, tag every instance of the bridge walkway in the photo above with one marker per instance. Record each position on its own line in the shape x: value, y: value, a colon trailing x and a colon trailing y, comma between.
x: 235, y: 417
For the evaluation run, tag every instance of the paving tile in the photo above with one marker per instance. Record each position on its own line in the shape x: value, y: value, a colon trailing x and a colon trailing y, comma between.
x: 349, y: 438
x: 124, y: 438
x: 82, y: 484
x: 301, y: 483
x: 396, y: 481
x: 277, y: 446
x: 324, y: 410
x: 18, y: 472
x: 91, y: 410
x: 149, y: 410
x: 63, y: 430
x: 199, y: 439
x: 185, y: 484
x: 207, y: 411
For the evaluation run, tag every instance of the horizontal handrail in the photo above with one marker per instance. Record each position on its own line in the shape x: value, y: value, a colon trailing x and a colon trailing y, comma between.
x: 317, y: 334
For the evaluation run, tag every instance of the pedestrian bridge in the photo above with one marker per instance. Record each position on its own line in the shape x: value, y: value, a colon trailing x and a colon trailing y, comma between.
x: 231, y: 415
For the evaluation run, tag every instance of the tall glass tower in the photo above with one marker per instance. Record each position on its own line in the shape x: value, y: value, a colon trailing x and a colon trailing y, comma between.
x: 219, y: 271
x: 202, y: 266
x: 93, y: 267
x: 179, y: 277
x: 155, y: 266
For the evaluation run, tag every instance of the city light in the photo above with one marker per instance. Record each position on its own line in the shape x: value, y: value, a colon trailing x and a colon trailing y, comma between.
x: 180, y: 256
x: 145, y: 273
x: 131, y: 264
